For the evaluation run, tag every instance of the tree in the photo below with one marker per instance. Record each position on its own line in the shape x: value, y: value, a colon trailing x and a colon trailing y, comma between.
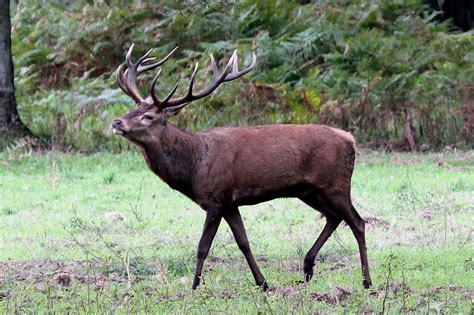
x: 461, y: 11
x: 11, y: 125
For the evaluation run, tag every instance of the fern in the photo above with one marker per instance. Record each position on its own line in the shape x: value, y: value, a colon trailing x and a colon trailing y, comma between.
x: 364, y: 66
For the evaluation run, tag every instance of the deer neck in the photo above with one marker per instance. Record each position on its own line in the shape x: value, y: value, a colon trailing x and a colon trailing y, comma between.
x: 172, y: 154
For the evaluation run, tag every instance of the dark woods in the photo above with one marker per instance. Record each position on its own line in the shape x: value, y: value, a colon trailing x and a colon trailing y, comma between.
x: 460, y: 11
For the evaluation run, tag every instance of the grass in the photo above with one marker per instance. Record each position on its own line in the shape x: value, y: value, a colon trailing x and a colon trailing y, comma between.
x: 101, y: 233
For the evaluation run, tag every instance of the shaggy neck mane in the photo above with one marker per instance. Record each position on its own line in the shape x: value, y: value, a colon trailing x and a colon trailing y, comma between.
x: 173, y: 154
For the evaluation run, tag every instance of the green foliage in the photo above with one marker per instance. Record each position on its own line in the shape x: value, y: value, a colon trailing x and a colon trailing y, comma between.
x: 367, y: 67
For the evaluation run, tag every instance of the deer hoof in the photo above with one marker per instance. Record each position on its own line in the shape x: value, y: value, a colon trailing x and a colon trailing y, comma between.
x: 367, y: 284
x: 308, y: 273
x: 196, y: 282
x: 308, y: 269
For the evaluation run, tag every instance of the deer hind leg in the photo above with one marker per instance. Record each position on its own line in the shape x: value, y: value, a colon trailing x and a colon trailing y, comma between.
x: 332, y: 222
x: 236, y: 224
x: 213, y: 219
x: 347, y: 211
x: 357, y: 225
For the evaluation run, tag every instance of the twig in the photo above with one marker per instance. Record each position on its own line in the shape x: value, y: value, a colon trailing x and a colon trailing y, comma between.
x: 465, y: 242
x: 134, y: 208
x: 127, y: 268
x: 387, y: 282
x: 414, y: 198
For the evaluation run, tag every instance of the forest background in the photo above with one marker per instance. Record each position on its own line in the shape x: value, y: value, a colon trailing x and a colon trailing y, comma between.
x: 391, y: 72
x: 85, y: 229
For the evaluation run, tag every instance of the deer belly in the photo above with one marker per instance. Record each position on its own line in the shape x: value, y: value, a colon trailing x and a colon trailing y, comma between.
x: 251, y: 194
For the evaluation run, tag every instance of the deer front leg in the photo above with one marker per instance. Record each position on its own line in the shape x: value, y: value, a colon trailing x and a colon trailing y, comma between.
x: 213, y: 219
x: 233, y: 218
x: 328, y: 229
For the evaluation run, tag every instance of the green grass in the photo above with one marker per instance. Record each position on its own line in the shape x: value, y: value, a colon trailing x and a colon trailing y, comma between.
x: 101, y: 233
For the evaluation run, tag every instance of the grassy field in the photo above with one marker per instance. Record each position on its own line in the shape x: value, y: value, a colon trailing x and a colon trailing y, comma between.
x: 100, y: 233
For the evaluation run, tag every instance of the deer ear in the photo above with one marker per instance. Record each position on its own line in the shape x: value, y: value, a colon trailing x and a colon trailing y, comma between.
x: 174, y: 110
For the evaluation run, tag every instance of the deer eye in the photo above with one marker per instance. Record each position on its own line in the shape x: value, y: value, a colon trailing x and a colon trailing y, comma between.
x: 147, y: 117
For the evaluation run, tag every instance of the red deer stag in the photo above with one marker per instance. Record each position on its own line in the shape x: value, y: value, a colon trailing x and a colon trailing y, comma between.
x: 223, y: 168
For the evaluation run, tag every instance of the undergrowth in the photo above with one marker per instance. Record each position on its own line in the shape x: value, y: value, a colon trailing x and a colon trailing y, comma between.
x: 375, y: 68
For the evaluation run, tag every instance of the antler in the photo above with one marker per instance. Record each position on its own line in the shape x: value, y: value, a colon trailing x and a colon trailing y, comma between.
x: 218, y: 78
x: 127, y: 80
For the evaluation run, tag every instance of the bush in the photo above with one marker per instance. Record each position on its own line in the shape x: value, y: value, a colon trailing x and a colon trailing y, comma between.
x: 371, y: 68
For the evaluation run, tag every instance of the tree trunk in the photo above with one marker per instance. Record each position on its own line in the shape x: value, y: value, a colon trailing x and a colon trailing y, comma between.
x: 11, y: 125
x: 460, y: 11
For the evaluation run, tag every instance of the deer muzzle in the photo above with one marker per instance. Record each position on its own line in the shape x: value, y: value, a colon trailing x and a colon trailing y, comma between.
x: 117, y: 126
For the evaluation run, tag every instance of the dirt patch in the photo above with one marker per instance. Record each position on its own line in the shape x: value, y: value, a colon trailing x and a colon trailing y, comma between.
x: 228, y: 295
x: 374, y: 222
x: 113, y: 217
x: 337, y: 265
x: 98, y: 281
x: 184, y: 280
x: 213, y: 261
x: 164, y: 297
x: 461, y: 162
x: 452, y: 288
x: 426, y: 215
x: 37, y: 270
x: 4, y: 295
x: 291, y: 292
x: 400, y: 288
x: 394, y: 288
x: 338, y: 297
x: 291, y: 265
x: 50, y: 273
x: 286, y: 292
x: 64, y: 279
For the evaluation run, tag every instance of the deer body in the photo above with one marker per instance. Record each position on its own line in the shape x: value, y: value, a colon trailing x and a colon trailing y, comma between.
x: 223, y: 168
x: 237, y: 166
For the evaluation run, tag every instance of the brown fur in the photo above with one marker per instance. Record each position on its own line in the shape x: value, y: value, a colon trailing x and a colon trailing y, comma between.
x: 251, y: 165
x: 223, y: 168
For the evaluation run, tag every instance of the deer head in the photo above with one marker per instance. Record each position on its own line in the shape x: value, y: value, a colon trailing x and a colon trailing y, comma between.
x: 150, y: 111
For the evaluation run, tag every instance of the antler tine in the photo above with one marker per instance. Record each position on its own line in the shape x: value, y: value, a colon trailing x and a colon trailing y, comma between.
x: 152, y: 91
x: 155, y: 99
x: 231, y: 72
x: 119, y: 79
x: 170, y: 94
x: 230, y: 62
x: 131, y: 85
x: 142, y: 68
x: 144, y: 57
x: 130, y: 76
x: 217, y: 81
x: 147, y: 60
x: 236, y: 73
x: 129, y: 55
x: 193, y: 77
x: 235, y: 64
x: 215, y: 69
x: 187, y: 98
x: 127, y: 80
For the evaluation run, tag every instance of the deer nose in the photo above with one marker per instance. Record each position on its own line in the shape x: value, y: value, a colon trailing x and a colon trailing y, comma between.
x: 116, y: 123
